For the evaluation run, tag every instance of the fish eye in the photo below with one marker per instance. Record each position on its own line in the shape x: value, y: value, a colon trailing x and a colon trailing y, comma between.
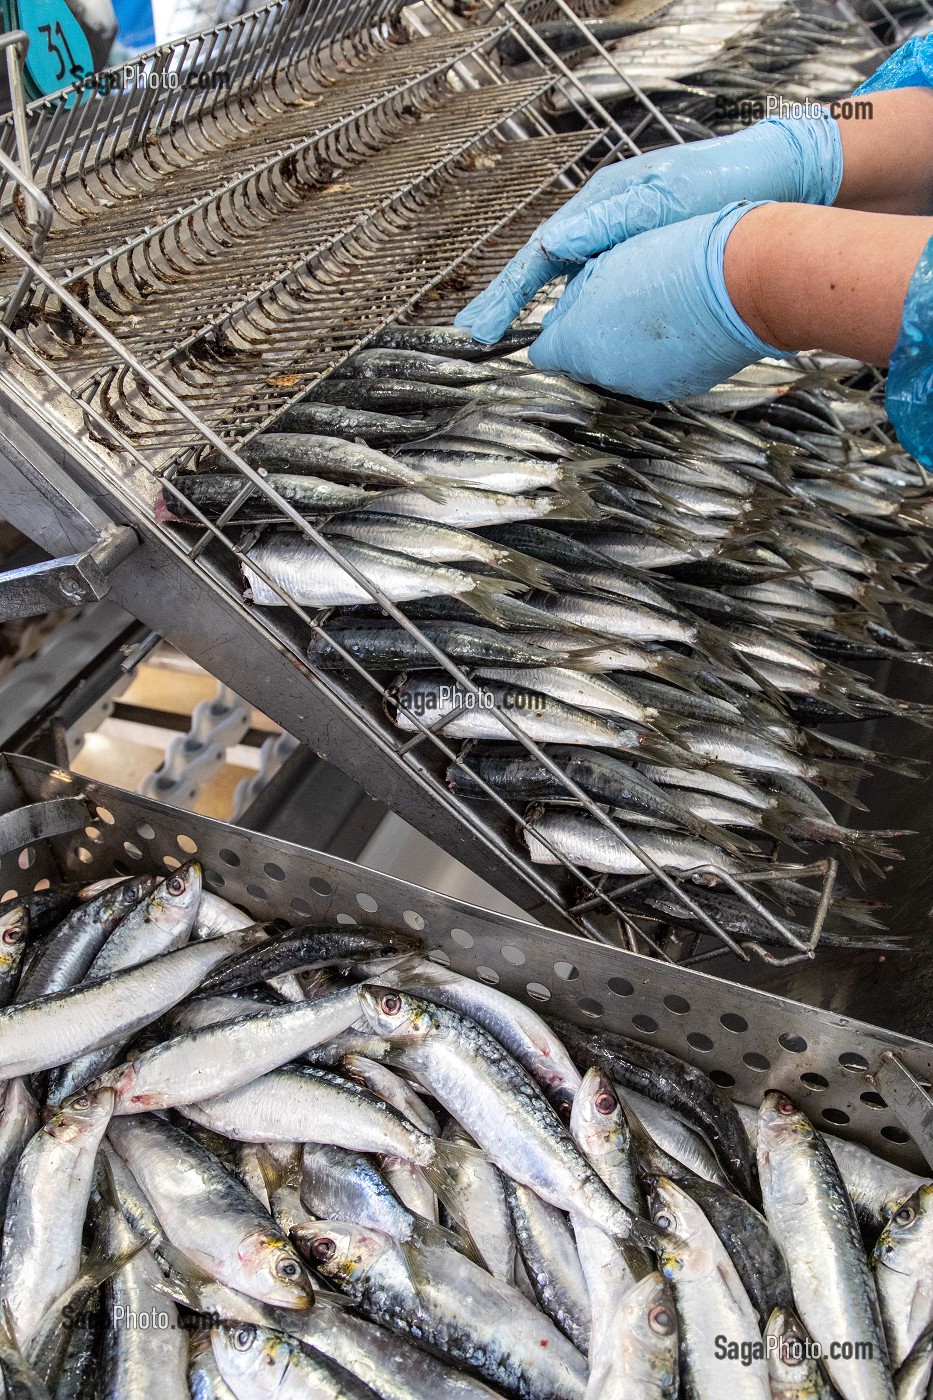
x: 661, y: 1320
x: 785, y: 1106
x: 905, y: 1216
x: 792, y: 1351
x: 390, y: 1004
x: 324, y: 1249
x: 243, y: 1338
x: 605, y: 1102
x: 287, y: 1268
x: 176, y: 885
x: 664, y: 1220
x: 12, y: 935
x: 82, y: 1101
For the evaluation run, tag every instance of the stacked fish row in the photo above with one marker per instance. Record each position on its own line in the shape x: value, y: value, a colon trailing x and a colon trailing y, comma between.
x: 703, y: 62
x: 667, y: 599
x: 238, y: 1121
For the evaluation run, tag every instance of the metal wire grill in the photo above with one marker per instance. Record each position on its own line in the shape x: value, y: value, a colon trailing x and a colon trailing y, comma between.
x: 191, y: 324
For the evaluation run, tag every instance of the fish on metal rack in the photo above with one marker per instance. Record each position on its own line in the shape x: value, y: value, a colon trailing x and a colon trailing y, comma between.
x: 310, y: 577
x: 212, y: 493
x: 332, y: 457
x: 389, y: 647
x: 339, y: 420
x: 439, y: 544
x: 543, y: 718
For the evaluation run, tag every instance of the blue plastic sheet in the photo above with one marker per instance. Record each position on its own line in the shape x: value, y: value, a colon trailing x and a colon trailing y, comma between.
x: 910, y: 377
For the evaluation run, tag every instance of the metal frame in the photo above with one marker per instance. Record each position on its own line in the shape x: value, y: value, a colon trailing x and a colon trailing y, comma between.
x: 100, y: 421
x: 55, y: 825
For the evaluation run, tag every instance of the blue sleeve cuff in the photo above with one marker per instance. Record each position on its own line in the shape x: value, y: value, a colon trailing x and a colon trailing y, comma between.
x: 910, y: 66
x: 910, y: 376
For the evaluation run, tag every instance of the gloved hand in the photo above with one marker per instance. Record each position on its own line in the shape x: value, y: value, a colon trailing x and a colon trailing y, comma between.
x: 652, y: 316
x: 796, y: 161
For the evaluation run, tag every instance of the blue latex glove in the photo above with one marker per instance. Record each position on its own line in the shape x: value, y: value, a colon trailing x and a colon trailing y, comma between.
x: 652, y: 316
x: 795, y: 161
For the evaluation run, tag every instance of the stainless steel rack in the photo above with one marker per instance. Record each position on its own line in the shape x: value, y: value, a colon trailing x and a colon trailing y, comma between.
x: 176, y: 274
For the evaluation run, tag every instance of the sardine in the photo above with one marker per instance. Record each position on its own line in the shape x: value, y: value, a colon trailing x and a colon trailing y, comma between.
x: 811, y: 1215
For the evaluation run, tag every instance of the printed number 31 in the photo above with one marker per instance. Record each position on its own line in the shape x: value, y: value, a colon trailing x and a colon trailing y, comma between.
x: 72, y: 67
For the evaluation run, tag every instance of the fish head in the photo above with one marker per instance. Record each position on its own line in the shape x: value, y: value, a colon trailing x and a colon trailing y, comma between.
x: 85, y: 1114
x: 396, y: 1016
x: 597, y: 1119
x: 275, y: 1266
x: 341, y: 1251
x: 780, y: 1121
x: 682, y: 1247
x: 250, y: 1358
x: 14, y: 930
x: 910, y: 1222
x: 174, y: 904
x: 651, y: 1332
x: 790, y: 1353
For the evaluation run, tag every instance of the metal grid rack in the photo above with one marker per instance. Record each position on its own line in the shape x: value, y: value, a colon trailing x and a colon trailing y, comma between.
x: 57, y: 826
x: 182, y: 273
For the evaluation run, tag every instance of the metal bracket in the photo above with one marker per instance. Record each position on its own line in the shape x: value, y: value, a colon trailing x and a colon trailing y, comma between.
x: 909, y: 1098
x: 42, y: 820
x: 68, y: 582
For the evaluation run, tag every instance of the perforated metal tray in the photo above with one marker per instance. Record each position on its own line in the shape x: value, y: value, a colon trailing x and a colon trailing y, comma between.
x: 55, y: 825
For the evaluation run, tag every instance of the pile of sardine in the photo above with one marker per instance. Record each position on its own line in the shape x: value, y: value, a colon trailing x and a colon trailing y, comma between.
x: 667, y: 599
x: 311, y: 1162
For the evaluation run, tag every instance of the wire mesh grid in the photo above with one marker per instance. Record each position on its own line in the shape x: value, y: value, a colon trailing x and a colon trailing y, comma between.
x: 193, y: 321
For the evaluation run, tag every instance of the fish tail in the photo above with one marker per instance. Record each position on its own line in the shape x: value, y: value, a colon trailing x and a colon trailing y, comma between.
x: 534, y: 572
x: 488, y: 595
x: 838, y: 779
x: 576, y: 504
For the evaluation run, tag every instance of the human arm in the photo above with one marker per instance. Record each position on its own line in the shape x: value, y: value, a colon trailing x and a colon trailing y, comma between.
x: 883, y: 163
x: 800, y: 276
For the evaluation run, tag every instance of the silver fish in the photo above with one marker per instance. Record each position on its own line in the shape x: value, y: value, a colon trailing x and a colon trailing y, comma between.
x: 55, y: 1029
x: 813, y: 1220
x: 209, y: 1215
x: 711, y: 1303
x: 639, y: 1360
x: 307, y: 575
x: 794, y: 1370
x: 457, y: 1308
x: 44, y: 1222
x: 903, y: 1274
x: 495, y: 1101
x: 258, y: 1363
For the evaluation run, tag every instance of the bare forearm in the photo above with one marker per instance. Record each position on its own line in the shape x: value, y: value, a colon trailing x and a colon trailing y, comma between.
x: 887, y: 146
x: 804, y: 277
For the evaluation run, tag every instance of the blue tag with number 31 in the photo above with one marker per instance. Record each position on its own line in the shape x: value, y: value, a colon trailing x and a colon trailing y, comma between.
x: 59, y: 53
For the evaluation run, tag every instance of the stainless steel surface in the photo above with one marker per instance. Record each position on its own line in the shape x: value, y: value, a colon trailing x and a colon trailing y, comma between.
x: 748, y: 1040
x: 910, y: 1099
x: 65, y: 583
x: 40, y: 821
